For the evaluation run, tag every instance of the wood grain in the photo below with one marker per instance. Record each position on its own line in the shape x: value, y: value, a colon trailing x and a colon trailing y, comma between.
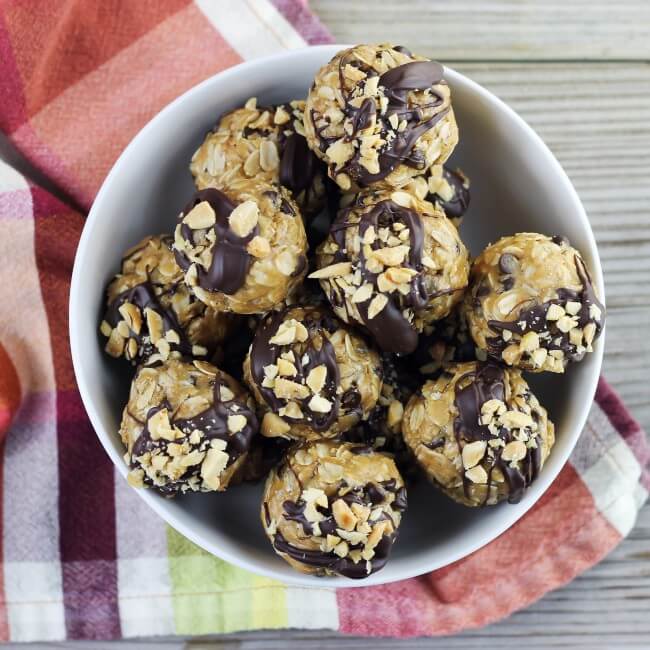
x: 480, y: 30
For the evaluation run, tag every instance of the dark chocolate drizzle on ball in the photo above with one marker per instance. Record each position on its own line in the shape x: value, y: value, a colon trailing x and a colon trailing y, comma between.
x: 213, y: 423
x: 390, y: 328
x: 486, y: 383
x: 532, y: 317
x: 144, y: 296
x: 370, y: 495
x: 298, y: 165
x: 397, y: 83
x: 318, y: 350
x: 230, y: 257
x: 458, y: 204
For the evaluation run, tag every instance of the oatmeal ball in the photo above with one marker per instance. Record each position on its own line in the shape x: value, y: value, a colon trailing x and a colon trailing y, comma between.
x: 392, y: 263
x: 312, y: 376
x: 333, y: 508
x: 479, y: 433
x: 186, y: 427
x: 383, y: 429
x: 377, y: 113
x: 532, y: 304
x: 152, y: 315
x: 266, y: 144
x: 244, y: 249
x: 445, y: 341
x: 446, y: 188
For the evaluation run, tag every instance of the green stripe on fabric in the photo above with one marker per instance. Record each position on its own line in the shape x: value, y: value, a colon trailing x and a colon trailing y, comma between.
x: 211, y: 596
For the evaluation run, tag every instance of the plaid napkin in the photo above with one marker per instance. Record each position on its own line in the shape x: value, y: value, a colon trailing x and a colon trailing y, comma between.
x: 82, y: 555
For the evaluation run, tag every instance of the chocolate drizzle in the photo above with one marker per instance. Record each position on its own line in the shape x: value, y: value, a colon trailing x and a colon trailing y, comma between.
x: 213, y: 424
x: 369, y: 495
x: 230, y: 258
x: 144, y: 296
x: 298, y: 164
x: 318, y: 351
x: 457, y: 205
x: 391, y: 329
x: 533, y: 318
x: 488, y: 383
x: 396, y: 83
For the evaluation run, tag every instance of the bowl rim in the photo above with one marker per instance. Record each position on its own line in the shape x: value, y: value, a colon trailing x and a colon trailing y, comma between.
x: 463, y: 548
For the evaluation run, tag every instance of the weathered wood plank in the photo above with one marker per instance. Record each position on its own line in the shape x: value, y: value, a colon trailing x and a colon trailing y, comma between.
x: 497, y: 29
x: 608, y: 159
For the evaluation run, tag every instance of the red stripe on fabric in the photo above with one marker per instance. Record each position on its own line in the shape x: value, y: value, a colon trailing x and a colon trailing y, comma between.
x: 615, y: 410
x: 86, y: 489
x: 629, y: 429
x: 88, y: 126
x: 304, y: 21
x: 556, y: 540
x: 13, y: 111
x: 87, y: 526
x: 91, y: 600
x: 58, y: 43
x: 57, y: 229
x: 10, y: 393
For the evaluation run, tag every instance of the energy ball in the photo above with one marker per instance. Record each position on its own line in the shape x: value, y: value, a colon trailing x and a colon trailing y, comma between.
x: 532, y: 304
x: 311, y: 375
x: 152, y: 315
x: 333, y: 508
x: 392, y: 263
x: 479, y: 433
x: 377, y: 113
x: 263, y: 143
x: 242, y: 250
x: 186, y: 427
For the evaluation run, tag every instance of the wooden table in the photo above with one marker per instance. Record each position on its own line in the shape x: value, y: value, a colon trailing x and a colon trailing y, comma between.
x: 579, y: 72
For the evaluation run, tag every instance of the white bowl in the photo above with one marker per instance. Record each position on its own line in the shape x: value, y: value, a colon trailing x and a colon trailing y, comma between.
x: 517, y: 185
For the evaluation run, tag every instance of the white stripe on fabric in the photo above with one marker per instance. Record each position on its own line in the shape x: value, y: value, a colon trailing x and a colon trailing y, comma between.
x: 311, y: 608
x: 275, y: 21
x: 10, y: 179
x: 254, y: 28
x: 145, y: 600
x: 597, y: 438
x: 143, y: 581
x: 614, y: 484
x: 33, y: 610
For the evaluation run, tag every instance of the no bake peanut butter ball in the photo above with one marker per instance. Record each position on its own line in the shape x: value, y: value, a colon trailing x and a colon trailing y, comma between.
x: 532, y: 304
x: 334, y: 508
x: 265, y: 143
x: 186, y: 427
x: 379, y: 114
x: 392, y: 263
x: 312, y: 376
x: 152, y: 315
x: 479, y: 433
x: 244, y: 249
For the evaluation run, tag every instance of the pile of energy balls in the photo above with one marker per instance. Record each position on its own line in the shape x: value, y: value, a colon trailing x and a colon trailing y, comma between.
x: 315, y: 320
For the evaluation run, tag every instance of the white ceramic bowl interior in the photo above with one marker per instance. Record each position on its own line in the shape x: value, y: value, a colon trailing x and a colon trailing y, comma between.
x: 517, y: 185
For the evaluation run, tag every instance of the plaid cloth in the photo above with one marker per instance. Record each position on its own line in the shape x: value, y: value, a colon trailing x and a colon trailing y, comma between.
x: 82, y: 556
